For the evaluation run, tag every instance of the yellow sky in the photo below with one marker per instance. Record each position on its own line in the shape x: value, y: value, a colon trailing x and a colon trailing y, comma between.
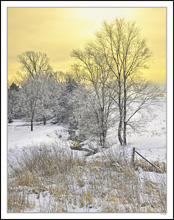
x: 57, y: 31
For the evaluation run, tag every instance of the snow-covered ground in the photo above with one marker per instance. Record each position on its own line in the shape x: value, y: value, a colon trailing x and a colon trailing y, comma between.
x: 19, y: 134
x: 150, y: 142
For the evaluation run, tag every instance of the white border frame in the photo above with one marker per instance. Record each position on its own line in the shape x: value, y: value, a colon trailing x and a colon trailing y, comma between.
x: 74, y: 4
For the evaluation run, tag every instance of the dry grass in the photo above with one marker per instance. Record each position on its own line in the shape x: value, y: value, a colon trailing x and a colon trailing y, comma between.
x: 147, y: 167
x: 60, y: 182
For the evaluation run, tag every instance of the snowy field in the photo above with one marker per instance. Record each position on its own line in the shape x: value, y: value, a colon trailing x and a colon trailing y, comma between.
x: 151, y: 143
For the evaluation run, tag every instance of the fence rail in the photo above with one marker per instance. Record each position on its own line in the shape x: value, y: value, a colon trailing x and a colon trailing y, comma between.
x: 133, y: 160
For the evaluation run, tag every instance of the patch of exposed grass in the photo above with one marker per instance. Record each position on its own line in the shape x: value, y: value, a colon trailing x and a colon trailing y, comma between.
x: 147, y: 167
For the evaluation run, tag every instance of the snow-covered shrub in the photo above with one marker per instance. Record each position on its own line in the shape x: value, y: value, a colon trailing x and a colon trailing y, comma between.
x: 14, y: 110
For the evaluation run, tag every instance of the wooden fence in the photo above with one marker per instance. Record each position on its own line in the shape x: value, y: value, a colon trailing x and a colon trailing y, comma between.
x: 133, y: 160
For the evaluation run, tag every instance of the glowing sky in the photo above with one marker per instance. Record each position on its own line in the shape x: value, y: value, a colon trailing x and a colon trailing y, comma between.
x: 57, y: 31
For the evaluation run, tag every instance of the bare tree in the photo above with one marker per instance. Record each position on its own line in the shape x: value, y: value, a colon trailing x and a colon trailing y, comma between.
x: 47, y: 95
x: 126, y: 54
x: 115, y: 60
x: 29, y: 97
x: 35, y: 67
x: 34, y: 62
x: 142, y: 97
x: 97, y: 76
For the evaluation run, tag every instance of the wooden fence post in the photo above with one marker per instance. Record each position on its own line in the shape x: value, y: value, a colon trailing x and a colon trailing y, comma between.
x: 133, y: 157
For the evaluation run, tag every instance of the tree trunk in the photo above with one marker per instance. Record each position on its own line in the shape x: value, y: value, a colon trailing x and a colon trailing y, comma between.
x: 124, y: 112
x: 121, y: 113
x: 119, y: 132
x: 120, y: 127
x: 124, y: 134
x: 104, y: 139
x: 31, y: 124
x: 44, y: 120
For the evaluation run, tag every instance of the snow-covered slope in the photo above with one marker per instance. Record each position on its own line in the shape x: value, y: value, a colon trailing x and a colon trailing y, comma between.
x: 19, y: 134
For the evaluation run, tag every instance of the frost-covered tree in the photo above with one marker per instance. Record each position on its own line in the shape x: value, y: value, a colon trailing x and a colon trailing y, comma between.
x: 32, y: 62
x: 38, y: 81
x: 114, y: 62
x: 29, y: 97
x: 99, y: 103
x: 64, y: 107
x: 47, y: 96
x: 126, y: 54
x: 13, y: 102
